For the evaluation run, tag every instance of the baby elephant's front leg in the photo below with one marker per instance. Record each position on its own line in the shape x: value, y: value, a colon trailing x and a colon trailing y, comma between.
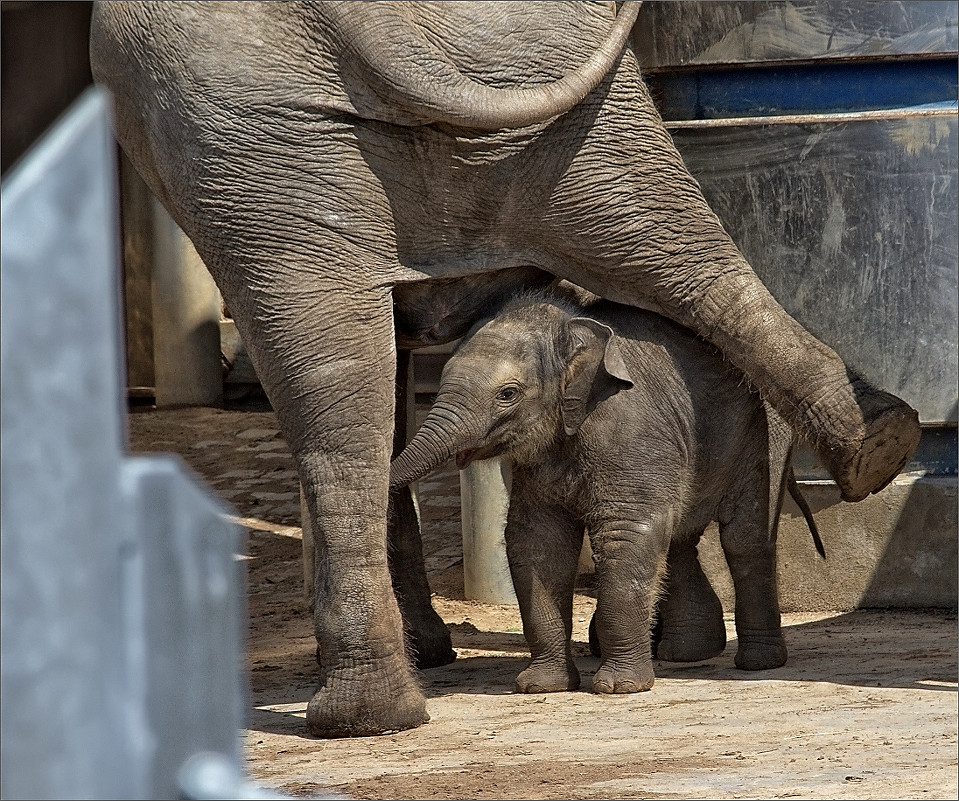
x: 543, y: 551
x: 629, y: 564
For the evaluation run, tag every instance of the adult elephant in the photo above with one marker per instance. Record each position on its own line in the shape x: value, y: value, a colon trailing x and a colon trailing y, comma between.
x: 330, y: 161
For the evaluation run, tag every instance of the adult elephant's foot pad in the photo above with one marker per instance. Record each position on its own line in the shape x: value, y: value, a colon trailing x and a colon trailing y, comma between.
x: 610, y: 681
x: 892, y: 435
x: 547, y: 679
x: 366, y: 712
x: 761, y: 652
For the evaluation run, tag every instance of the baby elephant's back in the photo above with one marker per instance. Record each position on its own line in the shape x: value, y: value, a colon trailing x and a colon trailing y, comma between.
x: 681, y: 375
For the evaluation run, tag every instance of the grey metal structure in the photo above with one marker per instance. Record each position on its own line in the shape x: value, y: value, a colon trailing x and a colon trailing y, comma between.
x: 825, y: 136
x: 862, y: 247
x: 122, y: 599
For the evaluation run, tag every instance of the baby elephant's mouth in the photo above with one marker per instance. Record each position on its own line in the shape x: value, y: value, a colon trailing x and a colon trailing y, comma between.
x: 463, y: 458
x: 466, y: 457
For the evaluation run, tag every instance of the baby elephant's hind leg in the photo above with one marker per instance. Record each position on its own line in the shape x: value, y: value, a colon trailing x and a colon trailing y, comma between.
x: 690, y: 624
x: 751, y: 556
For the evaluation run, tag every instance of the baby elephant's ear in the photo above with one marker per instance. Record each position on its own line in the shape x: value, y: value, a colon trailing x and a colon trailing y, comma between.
x: 595, y: 370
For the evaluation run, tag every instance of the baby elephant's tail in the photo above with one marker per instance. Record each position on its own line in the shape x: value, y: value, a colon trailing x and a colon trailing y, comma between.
x: 797, y: 496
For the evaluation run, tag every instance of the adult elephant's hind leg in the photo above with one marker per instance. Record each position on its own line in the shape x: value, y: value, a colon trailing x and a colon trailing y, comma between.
x: 650, y: 234
x: 326, y: 357
x: 689, y: 614
x: 864, y: 435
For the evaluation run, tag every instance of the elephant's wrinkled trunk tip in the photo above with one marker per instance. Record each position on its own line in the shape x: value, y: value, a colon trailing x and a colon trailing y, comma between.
x: 421, y: 456
x: 398, y: 477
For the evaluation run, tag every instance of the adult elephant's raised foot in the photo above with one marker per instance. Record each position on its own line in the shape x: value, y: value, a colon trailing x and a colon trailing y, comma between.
x: 378, y: 702
x: 890, y: 436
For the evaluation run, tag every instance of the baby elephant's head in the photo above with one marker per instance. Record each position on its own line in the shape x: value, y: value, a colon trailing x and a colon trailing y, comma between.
x: 515, y: 385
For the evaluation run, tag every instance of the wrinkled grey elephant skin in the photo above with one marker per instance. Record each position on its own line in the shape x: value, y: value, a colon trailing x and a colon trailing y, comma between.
x: 618, y: 422
x: 322, y: 156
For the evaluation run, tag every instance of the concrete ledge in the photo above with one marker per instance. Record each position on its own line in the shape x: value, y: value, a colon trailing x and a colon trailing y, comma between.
x: 895, y: 549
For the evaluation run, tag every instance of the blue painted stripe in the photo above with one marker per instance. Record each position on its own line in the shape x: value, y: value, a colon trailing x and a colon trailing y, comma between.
x: 828, y: 87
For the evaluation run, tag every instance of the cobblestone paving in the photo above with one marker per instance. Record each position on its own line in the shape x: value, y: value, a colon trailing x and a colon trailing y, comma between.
x: 243, y: 458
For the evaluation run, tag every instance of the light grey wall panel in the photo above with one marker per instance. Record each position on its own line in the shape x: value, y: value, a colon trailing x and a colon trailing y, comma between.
x: 852, y: 226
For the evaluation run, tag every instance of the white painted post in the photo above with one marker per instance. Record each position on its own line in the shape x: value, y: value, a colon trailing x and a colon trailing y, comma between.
x: 484, y: 491
x: 186, y: 320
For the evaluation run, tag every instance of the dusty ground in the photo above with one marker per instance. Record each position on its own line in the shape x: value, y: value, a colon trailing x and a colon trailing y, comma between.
x: 866, y: 707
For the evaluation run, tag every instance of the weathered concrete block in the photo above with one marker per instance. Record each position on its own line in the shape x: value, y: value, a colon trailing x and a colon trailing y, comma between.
x: 895, y: 549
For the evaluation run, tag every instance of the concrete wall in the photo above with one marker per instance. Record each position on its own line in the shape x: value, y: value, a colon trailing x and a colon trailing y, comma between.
x: 894, y: 549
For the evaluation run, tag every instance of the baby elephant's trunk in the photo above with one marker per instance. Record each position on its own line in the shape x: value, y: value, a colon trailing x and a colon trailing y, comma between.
x: 430, y: 447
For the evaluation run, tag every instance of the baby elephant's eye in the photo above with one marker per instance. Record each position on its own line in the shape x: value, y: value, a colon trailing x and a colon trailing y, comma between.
x: 507, y: 394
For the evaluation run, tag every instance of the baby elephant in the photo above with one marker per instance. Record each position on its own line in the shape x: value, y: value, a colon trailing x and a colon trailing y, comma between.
x: 625, y: 425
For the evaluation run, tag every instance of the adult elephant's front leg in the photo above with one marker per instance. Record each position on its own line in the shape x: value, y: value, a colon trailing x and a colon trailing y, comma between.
x: 326, y: 357
x: 427, y: 637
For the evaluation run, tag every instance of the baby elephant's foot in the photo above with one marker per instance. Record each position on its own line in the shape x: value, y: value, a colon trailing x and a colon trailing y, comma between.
x: 761, y: 650
x: 612, y: 678
x: 692, y: 643
x: 548, y: 677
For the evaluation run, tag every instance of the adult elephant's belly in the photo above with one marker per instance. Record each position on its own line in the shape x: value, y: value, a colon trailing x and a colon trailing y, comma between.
x: 439, y: 310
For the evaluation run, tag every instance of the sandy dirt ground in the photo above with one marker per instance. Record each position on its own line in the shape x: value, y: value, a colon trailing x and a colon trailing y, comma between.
x: 866, y: 707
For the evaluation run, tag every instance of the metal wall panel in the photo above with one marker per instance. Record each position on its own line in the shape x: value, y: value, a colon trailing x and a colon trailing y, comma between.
x: 851, y: 223
x: 675, y: 34
x: 122, y: 605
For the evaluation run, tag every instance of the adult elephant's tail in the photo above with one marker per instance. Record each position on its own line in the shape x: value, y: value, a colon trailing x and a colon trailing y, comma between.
x: 429, y: 88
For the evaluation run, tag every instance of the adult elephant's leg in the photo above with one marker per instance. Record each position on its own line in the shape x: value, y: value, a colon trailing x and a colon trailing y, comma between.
x: 542, y: 545
x: 326, y: 356
x: 863, y: 434
x: 689, y: 614
x: 427, y: 637
x: 628, y: 221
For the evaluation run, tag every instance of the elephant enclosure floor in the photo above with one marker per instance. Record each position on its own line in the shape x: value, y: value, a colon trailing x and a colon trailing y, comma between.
x: 866, y: 707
